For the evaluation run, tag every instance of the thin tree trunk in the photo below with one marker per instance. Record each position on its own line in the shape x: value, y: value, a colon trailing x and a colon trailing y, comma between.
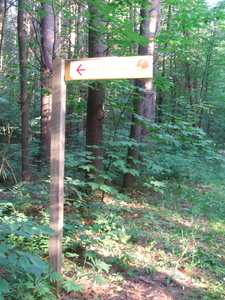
x: 23, y: 93
x: 174, y: 90
x: 163, y: 74
x: 70, y: 92
x: 80, y: 51
x: 1, y: 32
x: 96, y: 94
x: 135, y: 133
x: 205, y: 78
x: 3, y: 10
x: 76, y: 49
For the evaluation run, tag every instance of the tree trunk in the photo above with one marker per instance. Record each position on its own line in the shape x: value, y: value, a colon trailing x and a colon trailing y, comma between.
x: 96, y: 94
x: 23, y: 93
x: 135, y: 133
x: 144, y: 108
x: 205, y: 77
x: 154, y: 26
x: 47, y: 43
x: 3, y: 10
x: 160, y: 96
x: 1, y: 32
x: 76, y: 49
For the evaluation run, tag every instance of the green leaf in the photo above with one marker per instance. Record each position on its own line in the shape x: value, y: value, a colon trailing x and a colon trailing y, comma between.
x: 71, y: 286
x: 37, y: 261
x: 24, y: 261
x: 93, y: 185
x: 98, y: 279
x: 36, y: 271
x: 4, y: 286
x: 3, y: 249
x: 158, y: 183
x: 30, y: 230
x: 105, y: 187
x: 46, y: 229
x: 3, y: 100
x: 12, y: 258
x: 119, y: 163
x: 55, y: 276
x: 24, y: 234
x: 14, y: 226
x: 37, y: 266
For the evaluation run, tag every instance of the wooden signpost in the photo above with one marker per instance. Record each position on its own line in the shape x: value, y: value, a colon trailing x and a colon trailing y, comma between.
x: 57, y: 163
x: 81, y: 69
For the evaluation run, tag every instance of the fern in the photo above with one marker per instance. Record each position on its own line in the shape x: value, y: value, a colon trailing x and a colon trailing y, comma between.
x: 98, y: 279
x: 54, y: 277
x: 99, y: 265
x: 72, y: 286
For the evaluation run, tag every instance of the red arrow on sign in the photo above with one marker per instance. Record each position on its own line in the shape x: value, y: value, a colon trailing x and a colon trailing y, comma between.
x: 79, y: 69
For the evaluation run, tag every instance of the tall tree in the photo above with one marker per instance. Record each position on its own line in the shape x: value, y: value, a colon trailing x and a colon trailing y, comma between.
x: 3, y: 11
x: 23, y: 92
x: 96, y: 91
x: 77, y: 46
x: 150, y: 90
x: 163, y: 70
x: 1, y: 31
x: 144, y: 99
x: 183, y: 52
x: 47, y: 42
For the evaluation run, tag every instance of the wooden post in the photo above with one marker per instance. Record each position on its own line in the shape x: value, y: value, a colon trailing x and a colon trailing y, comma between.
x: 57, y: 163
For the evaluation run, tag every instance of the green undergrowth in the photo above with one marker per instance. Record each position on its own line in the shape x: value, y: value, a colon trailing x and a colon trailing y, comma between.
x: 172, y: 240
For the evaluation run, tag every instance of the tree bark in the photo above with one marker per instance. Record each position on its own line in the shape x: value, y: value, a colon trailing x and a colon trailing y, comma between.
x: 154, y: 26
x: 1, y: 32
x: 3, y: 10
x: 23, y: 93
x: 160, y: 96
x: 96, y: 94
x: 144, y: 100
x: 76, y: 49
x: 47, y: 44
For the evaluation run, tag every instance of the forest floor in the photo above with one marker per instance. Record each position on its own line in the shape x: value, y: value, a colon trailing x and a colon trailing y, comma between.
x: 157, y: 246
x: 145, y: 245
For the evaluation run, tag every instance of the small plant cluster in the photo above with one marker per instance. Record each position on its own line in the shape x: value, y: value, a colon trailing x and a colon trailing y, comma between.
x: 23, y: 273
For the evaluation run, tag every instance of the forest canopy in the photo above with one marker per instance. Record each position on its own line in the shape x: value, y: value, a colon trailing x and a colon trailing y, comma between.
x: 186, y: 96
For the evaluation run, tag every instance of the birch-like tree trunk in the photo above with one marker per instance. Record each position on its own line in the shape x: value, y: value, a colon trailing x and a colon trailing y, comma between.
x: 23, y: 93
x: 154, y: 26
x: 3, y: 10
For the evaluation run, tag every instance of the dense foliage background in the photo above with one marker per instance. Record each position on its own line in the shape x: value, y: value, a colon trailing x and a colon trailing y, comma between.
x: 178, y: 135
